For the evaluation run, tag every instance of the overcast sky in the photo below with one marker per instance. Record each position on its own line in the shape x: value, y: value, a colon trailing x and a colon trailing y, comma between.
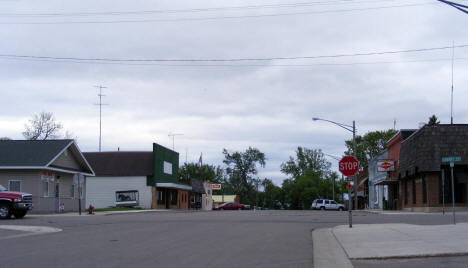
x: 267, y: 104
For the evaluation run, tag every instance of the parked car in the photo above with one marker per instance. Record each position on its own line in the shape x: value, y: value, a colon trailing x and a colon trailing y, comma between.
x: 14, y: 203
x: 326, y: 204
x: 230, y: 206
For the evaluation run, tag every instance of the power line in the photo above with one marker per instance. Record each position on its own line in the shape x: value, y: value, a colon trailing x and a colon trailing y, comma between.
x: 375, y: 53
x: 462, y: 8
x: 194, y: 10
x: 218, y: 17
x: 245, y: 65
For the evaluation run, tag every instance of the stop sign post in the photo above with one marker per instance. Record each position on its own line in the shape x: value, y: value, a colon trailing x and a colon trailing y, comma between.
x: 349, y: 166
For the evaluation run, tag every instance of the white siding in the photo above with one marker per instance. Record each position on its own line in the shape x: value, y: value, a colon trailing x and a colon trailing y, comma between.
x: 100, y: 191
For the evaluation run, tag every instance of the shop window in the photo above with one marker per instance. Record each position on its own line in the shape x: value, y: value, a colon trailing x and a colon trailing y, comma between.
x: 424, y: 189
x: 459, y: 181
x: 14, y: 186
x: 460, y: 186
x: 127, y: 198
x: 406, y: 192
x: 161, y: 196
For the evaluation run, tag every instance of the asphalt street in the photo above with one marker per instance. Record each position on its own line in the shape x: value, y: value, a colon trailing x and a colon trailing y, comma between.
x: 186, y: 239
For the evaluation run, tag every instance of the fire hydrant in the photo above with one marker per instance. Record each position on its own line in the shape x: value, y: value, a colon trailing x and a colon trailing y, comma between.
x: 90, y: 209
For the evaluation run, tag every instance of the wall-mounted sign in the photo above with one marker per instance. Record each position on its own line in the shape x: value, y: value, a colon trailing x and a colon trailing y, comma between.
x: 216, y: 186
x: 385, y: 165
x: 167, y: 168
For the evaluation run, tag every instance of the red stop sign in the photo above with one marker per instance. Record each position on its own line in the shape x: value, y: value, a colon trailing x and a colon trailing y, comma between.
x: 348, y: 165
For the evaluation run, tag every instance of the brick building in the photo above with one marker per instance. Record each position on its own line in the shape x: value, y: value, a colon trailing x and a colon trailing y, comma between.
x: 424, y: 181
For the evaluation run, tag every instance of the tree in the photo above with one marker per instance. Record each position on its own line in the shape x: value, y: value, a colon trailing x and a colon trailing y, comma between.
x: 42, y: 127
x: 300, y: 192
x: 204, y: 172
x: 433, y: 120
x: 272, y: 195
x: 241, y: 167
x: 306, y: 159
x: 5, y: 139
x: 370, y: 145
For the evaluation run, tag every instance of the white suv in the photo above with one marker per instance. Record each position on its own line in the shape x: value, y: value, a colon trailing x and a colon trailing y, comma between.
x: 326, y: 204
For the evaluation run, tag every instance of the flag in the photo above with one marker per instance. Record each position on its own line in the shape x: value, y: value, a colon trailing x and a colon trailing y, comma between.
x: 200, y: 161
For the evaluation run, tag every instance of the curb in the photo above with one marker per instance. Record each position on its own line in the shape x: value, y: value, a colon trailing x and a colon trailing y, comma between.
x: 414, y: 256
x: 327, y: 251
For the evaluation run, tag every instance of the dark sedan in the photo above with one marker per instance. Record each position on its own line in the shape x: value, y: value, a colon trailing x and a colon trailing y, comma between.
x: 230, y: 206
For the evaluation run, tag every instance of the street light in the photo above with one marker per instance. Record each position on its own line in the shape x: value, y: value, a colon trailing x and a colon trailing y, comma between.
x: 353, y: 130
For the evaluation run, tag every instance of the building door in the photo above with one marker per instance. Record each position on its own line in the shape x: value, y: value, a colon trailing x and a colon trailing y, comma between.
x: 167, y: 197
x: 57, y: 195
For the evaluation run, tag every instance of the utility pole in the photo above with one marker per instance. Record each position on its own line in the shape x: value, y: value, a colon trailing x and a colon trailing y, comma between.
x: 257, y: 181
x: 355, y: 176
x: 173, y: 136
x: 100, y: 95
x: 451, y: 95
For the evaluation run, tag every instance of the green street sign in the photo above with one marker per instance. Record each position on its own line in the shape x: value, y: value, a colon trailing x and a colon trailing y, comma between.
x: 451, y: 159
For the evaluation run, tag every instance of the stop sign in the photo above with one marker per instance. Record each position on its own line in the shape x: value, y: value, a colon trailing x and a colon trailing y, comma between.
x: 348, y: 165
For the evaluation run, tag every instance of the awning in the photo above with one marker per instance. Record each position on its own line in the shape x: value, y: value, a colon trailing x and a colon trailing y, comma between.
x: 171, y: 185
x: 386, y: 181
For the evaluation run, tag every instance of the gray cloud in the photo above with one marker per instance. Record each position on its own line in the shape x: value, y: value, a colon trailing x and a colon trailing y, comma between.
x: 268, y: 106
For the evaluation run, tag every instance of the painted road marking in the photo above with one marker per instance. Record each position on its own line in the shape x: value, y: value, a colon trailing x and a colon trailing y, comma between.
x: 30, y: 230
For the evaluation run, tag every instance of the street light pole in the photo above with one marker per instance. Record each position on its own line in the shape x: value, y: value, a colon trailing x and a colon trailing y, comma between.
x: 353, y: 130
x: 355, y: 176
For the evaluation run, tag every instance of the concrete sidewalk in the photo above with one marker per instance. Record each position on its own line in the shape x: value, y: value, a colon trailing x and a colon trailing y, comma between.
x: 381, y: 241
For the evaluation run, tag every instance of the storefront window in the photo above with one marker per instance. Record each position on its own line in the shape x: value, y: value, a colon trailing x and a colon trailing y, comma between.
x: 445, y: 187
x: 161, y: 197
x: 126, y: 198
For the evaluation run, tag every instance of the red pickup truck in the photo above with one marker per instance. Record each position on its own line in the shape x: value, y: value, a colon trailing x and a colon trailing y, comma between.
x: 14, y: 203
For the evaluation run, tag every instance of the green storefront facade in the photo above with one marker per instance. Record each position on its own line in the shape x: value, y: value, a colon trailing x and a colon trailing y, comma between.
x: 167, y: 192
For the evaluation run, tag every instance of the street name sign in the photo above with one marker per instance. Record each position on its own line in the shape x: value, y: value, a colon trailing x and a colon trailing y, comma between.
x: 451, y: 159
x: 348, y: 165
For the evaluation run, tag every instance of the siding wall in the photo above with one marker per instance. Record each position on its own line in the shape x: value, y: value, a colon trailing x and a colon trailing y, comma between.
x: 66, y: 159
x: 31, y: 183
x: 100, y: 191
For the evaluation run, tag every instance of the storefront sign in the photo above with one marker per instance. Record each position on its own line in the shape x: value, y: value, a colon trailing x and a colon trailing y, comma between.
x: 167, y: 168
x: 385, y: 165
x: 216, y: 186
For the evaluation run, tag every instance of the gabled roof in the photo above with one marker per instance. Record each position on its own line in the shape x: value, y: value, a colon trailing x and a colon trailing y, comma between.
x: 40, y: 154
x: 121, y: 163
x: 403, y: 134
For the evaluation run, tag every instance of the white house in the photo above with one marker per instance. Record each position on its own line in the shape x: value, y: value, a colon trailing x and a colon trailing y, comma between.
x: 121, y: 179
